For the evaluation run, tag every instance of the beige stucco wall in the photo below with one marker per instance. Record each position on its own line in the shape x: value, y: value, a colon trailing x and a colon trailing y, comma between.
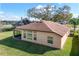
x: 63, y: 39
x: 42, y: 39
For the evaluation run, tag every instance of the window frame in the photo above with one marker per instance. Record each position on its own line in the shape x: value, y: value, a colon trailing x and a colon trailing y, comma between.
x: 50, y: 40
x: 29, y: 35
x: 34, y: 35
x: 24, y: 34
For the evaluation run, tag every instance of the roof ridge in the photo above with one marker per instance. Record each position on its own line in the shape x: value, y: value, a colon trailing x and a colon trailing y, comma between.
x: 47, y: 25
x: 45, y: 22
x: 61, y: 25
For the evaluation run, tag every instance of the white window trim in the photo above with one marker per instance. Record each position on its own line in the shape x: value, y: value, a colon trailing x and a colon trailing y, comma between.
x: 27, y: 36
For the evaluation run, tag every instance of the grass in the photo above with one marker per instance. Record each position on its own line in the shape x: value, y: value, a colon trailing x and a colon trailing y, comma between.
x: 9, y: 46
x: 75, y: 45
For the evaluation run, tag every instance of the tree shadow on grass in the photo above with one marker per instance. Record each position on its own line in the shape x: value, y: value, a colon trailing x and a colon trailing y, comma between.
x: 75, y: 46
x: 25, y: 46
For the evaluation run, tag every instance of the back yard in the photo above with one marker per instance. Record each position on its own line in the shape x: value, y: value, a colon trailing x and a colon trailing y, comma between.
x: 9, y: 46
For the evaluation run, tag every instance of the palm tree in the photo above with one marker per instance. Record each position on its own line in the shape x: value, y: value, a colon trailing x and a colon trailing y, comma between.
x: 75, y: 22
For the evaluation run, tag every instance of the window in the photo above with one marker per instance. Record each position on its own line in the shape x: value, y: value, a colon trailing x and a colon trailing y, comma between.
x: 24, y: 35
x: 29, y: 35
x: 35, y: 36
x: 50, y: 40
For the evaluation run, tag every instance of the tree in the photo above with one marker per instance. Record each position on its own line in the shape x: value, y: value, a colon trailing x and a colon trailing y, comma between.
x: 44, y: 13
x: 50, y: 13
x: 62, y: 13
x: 25, y: 21
x: 75, y: 22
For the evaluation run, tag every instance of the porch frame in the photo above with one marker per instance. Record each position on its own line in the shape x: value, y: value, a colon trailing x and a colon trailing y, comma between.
x: 14, y: 34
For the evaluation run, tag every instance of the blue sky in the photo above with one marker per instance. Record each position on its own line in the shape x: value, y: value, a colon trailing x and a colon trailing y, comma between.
x: 9, y: 11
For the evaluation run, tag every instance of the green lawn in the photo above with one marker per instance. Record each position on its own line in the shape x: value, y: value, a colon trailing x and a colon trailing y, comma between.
x: 9, y: 46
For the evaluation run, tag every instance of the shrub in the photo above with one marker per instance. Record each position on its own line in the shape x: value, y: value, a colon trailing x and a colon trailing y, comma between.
x: 7, y: 28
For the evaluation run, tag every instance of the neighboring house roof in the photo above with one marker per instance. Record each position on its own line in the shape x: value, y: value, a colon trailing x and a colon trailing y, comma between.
x: 46, y: 26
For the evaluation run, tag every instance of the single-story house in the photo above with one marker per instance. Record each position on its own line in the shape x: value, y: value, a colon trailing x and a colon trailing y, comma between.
x: 44, y: 32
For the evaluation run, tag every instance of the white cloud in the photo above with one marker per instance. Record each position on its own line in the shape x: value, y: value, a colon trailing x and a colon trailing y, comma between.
x: 10, y: 17
x: 75, y: 15
x: 39, y: 6
x: 1, y: 16
x: 53, y: 5
x: 60, y: 3
x: 13, y: 17
x: 7, y: 16
x: 1, y: 12
x: 17, y: 17
x: 34, y: 19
